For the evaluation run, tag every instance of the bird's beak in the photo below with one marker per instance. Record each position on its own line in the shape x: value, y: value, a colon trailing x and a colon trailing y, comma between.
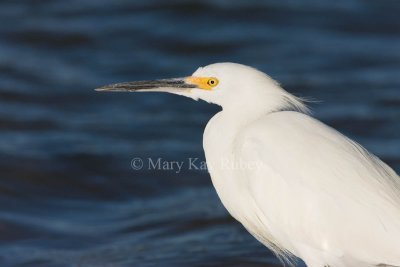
x: 175, y: 85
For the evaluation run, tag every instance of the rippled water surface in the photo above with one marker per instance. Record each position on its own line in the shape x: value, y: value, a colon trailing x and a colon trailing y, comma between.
x: 68, y: 194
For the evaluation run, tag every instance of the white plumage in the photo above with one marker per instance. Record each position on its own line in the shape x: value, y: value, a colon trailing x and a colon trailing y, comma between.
x: 303, y: 189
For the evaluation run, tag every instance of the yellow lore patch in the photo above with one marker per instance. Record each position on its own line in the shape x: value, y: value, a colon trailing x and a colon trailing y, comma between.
x: 205, y: 83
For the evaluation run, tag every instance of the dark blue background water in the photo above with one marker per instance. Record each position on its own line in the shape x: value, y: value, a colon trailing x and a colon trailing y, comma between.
x: 68, y: 195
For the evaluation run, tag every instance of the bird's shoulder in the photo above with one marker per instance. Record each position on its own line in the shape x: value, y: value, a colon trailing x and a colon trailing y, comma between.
x: 303, y: 149
x: 289, y: 128
x: 293, y: 137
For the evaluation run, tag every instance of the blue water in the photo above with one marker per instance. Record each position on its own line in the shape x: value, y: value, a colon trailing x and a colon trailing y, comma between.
x: 68, y: 193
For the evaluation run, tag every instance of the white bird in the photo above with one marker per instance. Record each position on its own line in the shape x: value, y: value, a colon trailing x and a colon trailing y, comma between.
x: 297, y: 185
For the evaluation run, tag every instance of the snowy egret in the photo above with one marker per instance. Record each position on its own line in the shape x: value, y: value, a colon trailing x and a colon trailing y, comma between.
x: 313, y: 193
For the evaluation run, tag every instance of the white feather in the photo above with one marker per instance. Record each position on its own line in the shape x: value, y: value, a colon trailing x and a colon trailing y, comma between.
x: 314, y: 193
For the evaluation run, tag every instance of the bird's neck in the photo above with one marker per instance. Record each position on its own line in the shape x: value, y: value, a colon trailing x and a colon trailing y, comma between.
x: 251, y: 107
x: 241, y: 116
x: 241, y: 113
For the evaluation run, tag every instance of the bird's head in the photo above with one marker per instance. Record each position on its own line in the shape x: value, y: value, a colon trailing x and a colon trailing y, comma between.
x: 229, y: 85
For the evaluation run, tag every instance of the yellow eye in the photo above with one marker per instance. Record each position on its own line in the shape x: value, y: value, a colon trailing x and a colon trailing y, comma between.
x: 212, y: 82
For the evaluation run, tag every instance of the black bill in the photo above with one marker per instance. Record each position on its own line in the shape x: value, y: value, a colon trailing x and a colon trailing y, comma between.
x: 154, y: 85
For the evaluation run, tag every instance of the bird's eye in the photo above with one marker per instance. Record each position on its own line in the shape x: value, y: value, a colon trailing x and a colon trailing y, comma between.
x: 212, y: 82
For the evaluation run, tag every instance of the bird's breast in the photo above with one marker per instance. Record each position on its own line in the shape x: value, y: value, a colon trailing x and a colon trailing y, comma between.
x: 233, y: 186
x: 218, y: 139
